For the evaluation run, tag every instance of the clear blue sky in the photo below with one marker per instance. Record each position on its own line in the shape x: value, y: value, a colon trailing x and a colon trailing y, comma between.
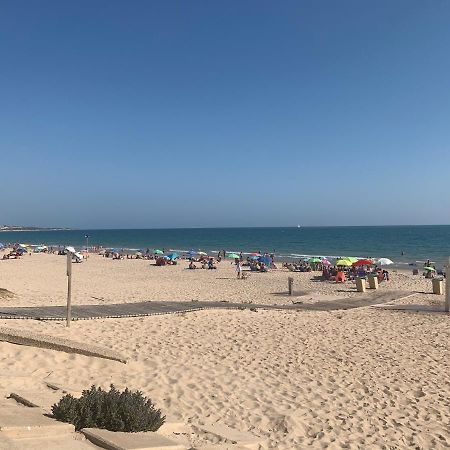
x: 144, y: 114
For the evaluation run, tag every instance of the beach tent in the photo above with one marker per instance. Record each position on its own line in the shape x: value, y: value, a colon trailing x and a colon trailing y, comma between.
x: 172, y: 256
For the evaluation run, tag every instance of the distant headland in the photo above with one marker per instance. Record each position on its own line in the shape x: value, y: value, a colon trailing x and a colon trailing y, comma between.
x: 29, y: 228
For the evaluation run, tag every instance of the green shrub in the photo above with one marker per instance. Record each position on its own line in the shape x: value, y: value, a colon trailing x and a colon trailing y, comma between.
x: 112, y: 410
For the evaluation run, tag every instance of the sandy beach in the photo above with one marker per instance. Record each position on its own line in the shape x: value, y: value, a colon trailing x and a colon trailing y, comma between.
x: 362, y: 378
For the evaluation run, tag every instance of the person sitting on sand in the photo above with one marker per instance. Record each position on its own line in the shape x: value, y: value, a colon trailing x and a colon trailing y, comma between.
x: 211, y: 265
x: 192, y: 265
x: 429, y: 274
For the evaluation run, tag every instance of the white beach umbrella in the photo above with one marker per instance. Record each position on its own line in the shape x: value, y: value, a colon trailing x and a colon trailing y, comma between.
x: 384, y: 261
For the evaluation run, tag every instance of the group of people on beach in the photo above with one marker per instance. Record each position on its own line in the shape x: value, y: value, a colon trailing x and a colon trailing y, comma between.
x: 206, y: 263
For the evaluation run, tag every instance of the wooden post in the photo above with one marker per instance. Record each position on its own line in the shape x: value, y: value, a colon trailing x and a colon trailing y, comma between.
x: 290, y: 285
x: 447, y: 287
x: 69, y: 288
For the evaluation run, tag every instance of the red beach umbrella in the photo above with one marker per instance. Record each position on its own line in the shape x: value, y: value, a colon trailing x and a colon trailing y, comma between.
x: 363, y: 262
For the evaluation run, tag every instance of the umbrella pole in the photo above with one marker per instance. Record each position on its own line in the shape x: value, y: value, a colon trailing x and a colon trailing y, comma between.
x: 69, y: 289
x: 447, y: 287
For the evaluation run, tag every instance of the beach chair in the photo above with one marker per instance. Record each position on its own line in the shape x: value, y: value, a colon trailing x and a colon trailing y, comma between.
x: 77, y: 257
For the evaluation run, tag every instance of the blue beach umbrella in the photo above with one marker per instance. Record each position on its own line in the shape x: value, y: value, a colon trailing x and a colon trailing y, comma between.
x: 172, y: 256
x: 254, y: 258
x: 265, y: 260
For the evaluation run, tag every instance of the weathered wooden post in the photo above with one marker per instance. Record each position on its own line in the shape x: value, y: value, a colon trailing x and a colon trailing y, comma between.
x: 447, y: 287
x: 290, y: 285
x: 69, y: 288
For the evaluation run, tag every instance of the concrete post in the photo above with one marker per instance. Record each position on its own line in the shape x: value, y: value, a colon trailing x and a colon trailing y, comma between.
x: 290, y: 285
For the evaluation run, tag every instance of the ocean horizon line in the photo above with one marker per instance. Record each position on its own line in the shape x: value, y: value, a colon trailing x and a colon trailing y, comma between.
x: 228, y: 228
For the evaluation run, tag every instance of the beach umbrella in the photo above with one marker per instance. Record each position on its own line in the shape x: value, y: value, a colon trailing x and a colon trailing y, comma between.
x: 158, y: 252
x: 232, y: 256
x: 265, y: 260
x: 254, y: 257
x: 255, y: 254
x: 352, y: 259
x: 362, y: 262
x: 314, y: 260
x: 429, y: 269
x: 202, y: 253
x: 172, y: 256
x: 343, y: 262
x: 384, y: 261
x: 325, y: 262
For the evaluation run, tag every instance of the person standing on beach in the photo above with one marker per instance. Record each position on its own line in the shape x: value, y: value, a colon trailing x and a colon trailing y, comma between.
x: 238, y: 263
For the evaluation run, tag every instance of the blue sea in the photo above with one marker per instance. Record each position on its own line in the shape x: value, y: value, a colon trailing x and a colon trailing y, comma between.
x: 417, y: 243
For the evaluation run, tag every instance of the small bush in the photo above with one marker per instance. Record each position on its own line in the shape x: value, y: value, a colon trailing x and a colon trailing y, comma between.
x: 112, y: 410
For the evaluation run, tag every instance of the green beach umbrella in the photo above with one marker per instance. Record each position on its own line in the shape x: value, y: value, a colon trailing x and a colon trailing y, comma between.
x: 232, y: 256
x: 352, y: 259
x: 430, y: 269
x: 158, y: 252
x: 343, y: 262
x: 314, y: 260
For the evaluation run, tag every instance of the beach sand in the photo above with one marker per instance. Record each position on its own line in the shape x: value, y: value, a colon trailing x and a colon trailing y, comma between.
x: 362, y: 378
